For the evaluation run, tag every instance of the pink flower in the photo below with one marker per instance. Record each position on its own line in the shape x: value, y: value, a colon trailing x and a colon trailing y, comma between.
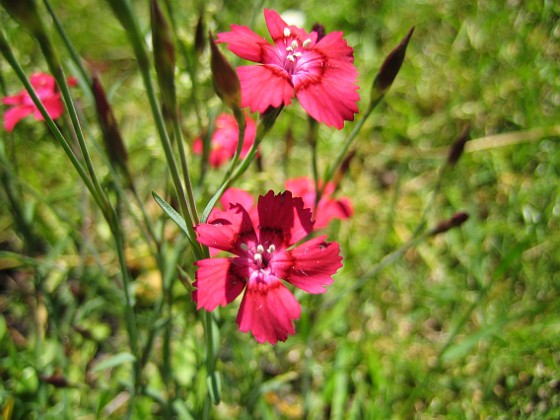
x: 264, y: 255
x: 328, y: 208
x: 22, y: 105
x: 223, y: 143
x: 320, y: 72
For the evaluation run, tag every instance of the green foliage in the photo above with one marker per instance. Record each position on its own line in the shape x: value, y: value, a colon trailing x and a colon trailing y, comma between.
x: 465, y: 324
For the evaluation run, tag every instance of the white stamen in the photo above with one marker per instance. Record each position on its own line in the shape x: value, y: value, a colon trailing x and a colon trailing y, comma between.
x: 306, y: 43
x: 258, y: 258
x: 298, y: 54
x: 244, y: 247
x: 294, y: 44
x: 291, y: 58
x: 260, y: 249
x: 289, y: 49
x: 271, y: 249
x: 287, y: 32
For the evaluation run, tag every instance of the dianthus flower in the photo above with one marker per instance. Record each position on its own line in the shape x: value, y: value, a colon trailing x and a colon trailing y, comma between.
x: 264, y: 253
x: 22, y: 104
x: 328, y: 208
x: 223, y: 143
x: 320, y: 72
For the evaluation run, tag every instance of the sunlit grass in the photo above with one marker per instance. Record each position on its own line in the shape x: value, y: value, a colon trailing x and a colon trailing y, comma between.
x: 463, y: 325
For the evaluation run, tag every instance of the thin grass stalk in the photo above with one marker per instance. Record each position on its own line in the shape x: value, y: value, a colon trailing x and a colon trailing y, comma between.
x: 123, y: 11
x: 67, y: 42
x: 12, y: 61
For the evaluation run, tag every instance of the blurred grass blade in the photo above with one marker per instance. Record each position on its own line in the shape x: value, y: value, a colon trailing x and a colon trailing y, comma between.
x: 114, y: 361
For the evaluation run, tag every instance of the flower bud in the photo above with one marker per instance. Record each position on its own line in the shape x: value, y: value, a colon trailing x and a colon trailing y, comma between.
x: 320, y: 30
x: 458, y: 146
x: 224, y: 77
x: 455, y: 221
x: 112, y: 139
x: 199, y: 41
x: 164, y: 58
x: 390, y: 68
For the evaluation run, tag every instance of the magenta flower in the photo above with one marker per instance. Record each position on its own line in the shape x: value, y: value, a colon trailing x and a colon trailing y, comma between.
x: 320, y: 72
x: 263, y: 255
x: 22, y: 105
x: 328, y: 208
x: 223, y: 143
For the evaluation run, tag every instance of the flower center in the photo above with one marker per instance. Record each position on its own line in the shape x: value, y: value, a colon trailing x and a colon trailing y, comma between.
x: 293, y: 49
x: 259, y: 255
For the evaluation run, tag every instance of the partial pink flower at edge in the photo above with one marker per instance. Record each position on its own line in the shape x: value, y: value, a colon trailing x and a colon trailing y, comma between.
x: 319, y: 72
x: 264, y: 257
x: 22, y: 105
x: 328, y: 208
x: 223, y: 143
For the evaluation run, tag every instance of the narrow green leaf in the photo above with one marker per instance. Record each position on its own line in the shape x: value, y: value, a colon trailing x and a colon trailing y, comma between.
x: 114, y: 361
x: 172, y: 213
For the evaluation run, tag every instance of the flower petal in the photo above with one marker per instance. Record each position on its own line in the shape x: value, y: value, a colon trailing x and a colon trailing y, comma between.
x: 268, y: 310
x: 217, y: 284
x: 227, y: 230
x: 245, y: 43
x: 53, y: 105
x: 264, y: 86
x: 328, y: 94
x: 335, y: 47
x: 309, y: 266
x: 329, y: 209
x: 275, y: 24
x: 14, y: 115
x: 237, y: 196
x: 283, y: 220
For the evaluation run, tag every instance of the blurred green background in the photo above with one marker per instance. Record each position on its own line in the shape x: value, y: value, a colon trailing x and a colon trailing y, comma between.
x: 464, y: 325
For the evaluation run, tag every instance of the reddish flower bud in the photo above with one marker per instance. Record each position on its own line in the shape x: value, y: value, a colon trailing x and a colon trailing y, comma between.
x: 112, y: 139
x: 390, y: 68
x: 164, y: 58
x: 224, y: 77
x: 458, y: 146
x: 199, y: 39
x: 320, y: 30
x: 455, y: 221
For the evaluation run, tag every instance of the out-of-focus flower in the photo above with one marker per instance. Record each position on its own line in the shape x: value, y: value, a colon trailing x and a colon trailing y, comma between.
x: 264, y: 255
x: 328, y: 208
x: 223, y: 143
x: 320, y: 73
x: 22, y: 105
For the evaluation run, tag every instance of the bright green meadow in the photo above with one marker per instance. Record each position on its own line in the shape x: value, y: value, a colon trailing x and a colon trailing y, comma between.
x: 462, y: 324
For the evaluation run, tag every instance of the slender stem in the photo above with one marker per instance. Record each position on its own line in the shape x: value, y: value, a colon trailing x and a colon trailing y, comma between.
x: 67, y: 42
x: 124, y: 12
x: 265, y: 124
x: 185, y: 168
x: 10, y: 58
x: 329, y: 174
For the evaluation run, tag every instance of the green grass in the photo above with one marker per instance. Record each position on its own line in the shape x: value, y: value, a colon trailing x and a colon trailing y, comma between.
x: 464, y: 325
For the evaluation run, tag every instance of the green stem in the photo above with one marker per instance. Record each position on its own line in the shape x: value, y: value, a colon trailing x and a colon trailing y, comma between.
x: 329, y: 174
x: 67, y: 42
x: 10, y: 58
x: 124, y: 13
x: 265, y: 124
